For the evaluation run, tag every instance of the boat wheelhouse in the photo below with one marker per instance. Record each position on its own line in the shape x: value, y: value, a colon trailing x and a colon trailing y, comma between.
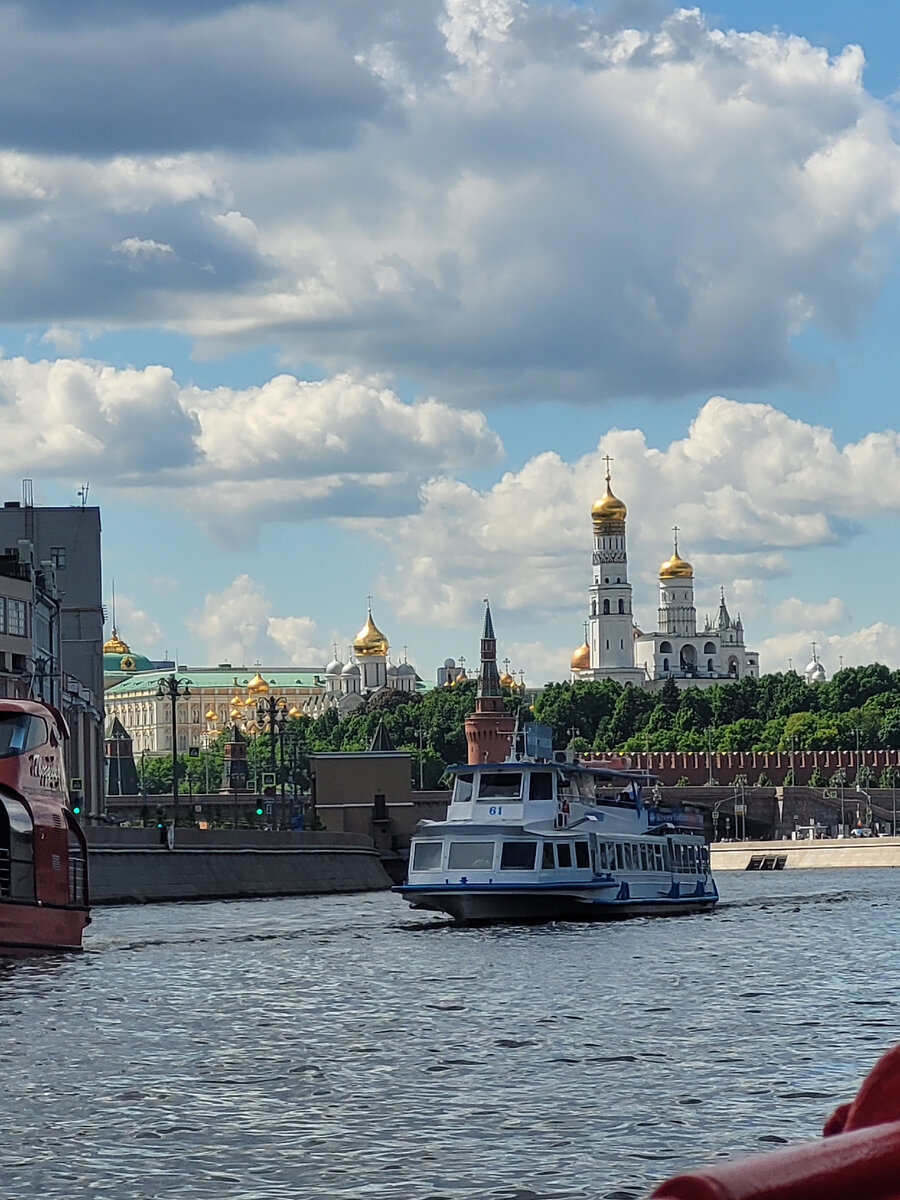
x: 43, y: 853
x: 527, y: 841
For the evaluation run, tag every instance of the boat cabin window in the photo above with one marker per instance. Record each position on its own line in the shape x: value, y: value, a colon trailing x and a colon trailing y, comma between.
x: 518, y: 856
x: 547, y: 863
x: 16, y: 850
x: 20, y: 732
x: 582, y: 855
x: 499, y: 785
x: 427, y: 856
x: 463, y: 789
x: 605, y: 856
x: 471, y: 856
x: 541, y: 785
x: 564, y: 854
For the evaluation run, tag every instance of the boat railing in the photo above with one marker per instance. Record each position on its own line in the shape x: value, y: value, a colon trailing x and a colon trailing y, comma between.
x: 5, y: 874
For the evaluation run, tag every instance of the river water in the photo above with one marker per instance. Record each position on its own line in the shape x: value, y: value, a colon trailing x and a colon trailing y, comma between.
x: 349, y: 1047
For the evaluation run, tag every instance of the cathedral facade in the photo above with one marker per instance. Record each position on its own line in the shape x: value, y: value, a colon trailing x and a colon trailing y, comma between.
x: 614, y: 646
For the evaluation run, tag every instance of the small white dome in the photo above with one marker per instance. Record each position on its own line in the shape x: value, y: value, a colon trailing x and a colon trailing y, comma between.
x: 392, y: 670
x: 406, y: 669
x: 815, y: 672
x: 350, y: 669
x: 449, y: 664
x: 334, y: 667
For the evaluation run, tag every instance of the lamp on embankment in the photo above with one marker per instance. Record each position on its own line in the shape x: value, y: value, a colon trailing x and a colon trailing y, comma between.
x: 173, y: 689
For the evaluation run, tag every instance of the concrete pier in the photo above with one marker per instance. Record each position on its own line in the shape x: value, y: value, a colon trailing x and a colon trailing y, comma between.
x: 834, y: 853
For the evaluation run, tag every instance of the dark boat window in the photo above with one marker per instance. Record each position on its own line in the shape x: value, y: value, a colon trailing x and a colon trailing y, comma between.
x: 469, y: 856
x: 16, y: 733
x: 499, y: 785
x: 541, y: 785
x: 463, y: 789
x: 518, y: 856
x: 563, y: 854
x: 427, y: 856
x: 582, y: 855
x: 547, y: 863
x: 16, y: 850
x: 37, y: 733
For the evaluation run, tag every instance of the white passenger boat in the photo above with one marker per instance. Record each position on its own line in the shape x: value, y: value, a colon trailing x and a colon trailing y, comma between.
x: 541, y: 841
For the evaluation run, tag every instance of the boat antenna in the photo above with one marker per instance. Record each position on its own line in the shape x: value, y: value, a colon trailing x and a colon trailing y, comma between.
x: 513, y: 743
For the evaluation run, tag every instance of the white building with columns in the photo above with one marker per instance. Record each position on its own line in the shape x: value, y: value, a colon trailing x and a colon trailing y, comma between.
x: 615, y: 648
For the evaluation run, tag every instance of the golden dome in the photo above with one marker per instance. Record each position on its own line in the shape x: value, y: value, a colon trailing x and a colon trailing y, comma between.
x: 115, y: 645
x: 370, y: 641
x: 295, y: 712
x: 506, y: 680
x: 581, y: 659
x: 211, y: 714
x: 676, y: 568
x: 608, y: 507
x: 257, y: 685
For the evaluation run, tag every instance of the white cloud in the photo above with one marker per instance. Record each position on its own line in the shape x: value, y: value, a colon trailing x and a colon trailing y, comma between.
x: 63, y: 340
x: 879, y: 642
x: 495, y: 198
x: 137, y: 627
x: 236, y: 625
x: 137, y: 248
x: 824, y: 614
x: 335, y: 447
x: 747, y: 486
x: 541, y: 663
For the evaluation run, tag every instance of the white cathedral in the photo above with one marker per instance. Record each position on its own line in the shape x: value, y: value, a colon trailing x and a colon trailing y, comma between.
x: 614, y: 647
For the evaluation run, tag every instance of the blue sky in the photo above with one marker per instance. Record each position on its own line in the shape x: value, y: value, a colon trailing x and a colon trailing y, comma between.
x: 328, y: 299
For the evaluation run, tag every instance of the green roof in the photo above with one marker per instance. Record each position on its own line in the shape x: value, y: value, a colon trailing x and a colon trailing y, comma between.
x: 224, y: 677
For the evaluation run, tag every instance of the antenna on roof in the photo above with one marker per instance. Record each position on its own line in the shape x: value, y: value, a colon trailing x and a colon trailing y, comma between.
x: 27, y: 493
x: 82, y: 493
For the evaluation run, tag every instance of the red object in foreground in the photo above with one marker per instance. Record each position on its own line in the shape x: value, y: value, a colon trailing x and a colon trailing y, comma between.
x: 43, y: 854
x: 858, y: 1160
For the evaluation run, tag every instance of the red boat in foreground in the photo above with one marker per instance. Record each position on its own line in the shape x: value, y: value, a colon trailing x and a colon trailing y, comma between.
x: 858, y: 1159
x: 43, y: 853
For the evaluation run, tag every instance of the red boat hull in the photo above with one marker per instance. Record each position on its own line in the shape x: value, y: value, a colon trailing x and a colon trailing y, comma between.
x: 27, y: 927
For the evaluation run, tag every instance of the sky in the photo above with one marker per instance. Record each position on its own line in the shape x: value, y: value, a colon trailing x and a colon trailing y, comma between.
x: 328, y: 299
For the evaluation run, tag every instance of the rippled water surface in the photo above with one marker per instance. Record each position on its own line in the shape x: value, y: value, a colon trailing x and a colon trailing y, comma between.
x: 348, y: 1047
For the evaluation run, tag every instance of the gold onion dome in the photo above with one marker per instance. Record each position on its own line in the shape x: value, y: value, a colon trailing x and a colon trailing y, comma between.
x: 211, y: 714
x: 257, y: 685
x: 370, y: 640
x: 115, y: 645
x: 608, y: 507
x: 676, y: 568
x: 581, y: 659
x: 506, y: 680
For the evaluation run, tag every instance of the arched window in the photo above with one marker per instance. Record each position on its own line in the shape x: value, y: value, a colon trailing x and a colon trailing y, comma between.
x: 621, y: 606
x: 665, y: 647
x: 665, y: 665
x: 606, y: 608
x: 709, y: 648
x: 709, y: 665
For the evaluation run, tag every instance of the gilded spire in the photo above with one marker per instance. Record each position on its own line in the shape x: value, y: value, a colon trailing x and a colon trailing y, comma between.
x: 370, y: 641
x: 608, y: 513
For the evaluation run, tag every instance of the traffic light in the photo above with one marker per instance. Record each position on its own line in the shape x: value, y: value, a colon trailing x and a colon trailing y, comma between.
x: 259, y: 811
x: 76, y: 809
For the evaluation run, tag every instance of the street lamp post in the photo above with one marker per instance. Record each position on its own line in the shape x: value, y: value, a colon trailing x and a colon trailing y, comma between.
x: 173, y: 689
x: 273, y: 710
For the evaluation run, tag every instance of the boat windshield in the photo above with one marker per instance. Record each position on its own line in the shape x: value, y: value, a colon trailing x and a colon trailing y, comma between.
x: 463, y: 788
x: 499, y: 785
x: 20, y: 732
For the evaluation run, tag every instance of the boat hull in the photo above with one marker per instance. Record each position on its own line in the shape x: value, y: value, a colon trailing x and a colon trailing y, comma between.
x: 28, y: 928
x: 473, y: 905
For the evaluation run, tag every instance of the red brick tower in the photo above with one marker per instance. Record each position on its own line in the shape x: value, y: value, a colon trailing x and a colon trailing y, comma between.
x: 489, y: 730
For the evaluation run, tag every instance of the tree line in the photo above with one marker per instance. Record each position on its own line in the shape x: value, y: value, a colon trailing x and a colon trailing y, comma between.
x: 858, y: 707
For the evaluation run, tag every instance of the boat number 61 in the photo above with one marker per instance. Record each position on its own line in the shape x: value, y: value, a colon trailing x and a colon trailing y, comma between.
x: 496, y: 810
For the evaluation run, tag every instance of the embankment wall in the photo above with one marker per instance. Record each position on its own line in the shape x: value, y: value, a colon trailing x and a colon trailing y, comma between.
x: 129, y: 866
